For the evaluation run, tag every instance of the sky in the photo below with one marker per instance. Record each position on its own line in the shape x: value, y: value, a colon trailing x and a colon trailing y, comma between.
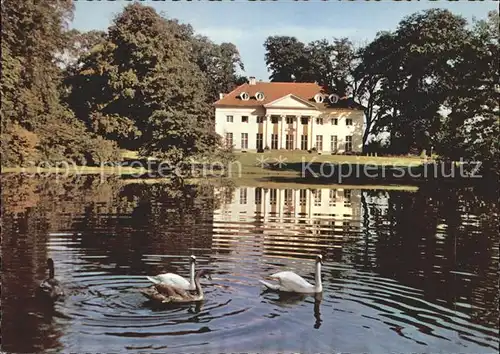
x: 247, y: 24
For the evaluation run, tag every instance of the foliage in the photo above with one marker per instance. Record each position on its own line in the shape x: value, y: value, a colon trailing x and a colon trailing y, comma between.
x: 472, y: 129
x: 286, y: 59
x: 36, y: 126
x: 431, y: 83
x: 330, y: 64
x: 218, y: 64
x: 156, y: 81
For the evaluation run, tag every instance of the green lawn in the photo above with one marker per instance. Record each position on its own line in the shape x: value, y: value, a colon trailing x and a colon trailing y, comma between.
x: 250, y: 161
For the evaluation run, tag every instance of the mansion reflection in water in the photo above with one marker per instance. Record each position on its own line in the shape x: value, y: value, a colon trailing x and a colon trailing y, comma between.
x: 293, y: 222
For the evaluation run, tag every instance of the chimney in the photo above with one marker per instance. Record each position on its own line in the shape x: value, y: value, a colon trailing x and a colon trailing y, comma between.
x: 252, y: 80
x: 221, y: 96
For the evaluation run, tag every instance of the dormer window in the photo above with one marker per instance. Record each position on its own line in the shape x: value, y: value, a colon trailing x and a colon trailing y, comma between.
x: 244, y: 96
x: 259, y: 96
x: 319, y: 98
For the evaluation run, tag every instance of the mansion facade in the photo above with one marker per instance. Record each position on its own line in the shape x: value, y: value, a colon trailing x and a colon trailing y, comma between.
x: 282, y: 115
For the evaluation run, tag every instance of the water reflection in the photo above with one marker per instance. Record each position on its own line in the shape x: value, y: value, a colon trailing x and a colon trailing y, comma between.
x: 289, y: 300
x: 403, y: 271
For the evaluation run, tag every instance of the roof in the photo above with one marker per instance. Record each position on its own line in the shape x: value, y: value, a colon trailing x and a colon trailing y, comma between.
x: 275, y: 90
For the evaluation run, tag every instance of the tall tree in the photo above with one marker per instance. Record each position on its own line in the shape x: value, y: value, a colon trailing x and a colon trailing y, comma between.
x: 219, y: 64
x: 286, y: 59
x: 153, y: 95
x: 331, y: 64
x: 406, y: 73
x: 35, y: 125
x: 471, y: 128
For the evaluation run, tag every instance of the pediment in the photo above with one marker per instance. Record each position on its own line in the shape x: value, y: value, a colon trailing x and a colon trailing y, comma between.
x: 290, y: 101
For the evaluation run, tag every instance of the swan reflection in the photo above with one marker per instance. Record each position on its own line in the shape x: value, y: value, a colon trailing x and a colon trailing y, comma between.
x: 288, y: 300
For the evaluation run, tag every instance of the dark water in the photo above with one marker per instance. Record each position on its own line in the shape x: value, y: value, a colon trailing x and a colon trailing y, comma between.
x: 404, y: 271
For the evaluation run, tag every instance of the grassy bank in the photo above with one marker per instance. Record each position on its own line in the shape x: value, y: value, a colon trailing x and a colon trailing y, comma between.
x: 267, y: 163
x: 303, y: 168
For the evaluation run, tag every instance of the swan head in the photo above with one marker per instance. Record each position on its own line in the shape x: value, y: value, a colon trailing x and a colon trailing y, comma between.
x: 192, y: 259
x: 319, y: 259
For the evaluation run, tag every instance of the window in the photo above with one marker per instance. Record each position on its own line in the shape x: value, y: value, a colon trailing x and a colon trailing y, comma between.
x: 244, y: 140
x: 243, y: 195
x: 335, y: 121
x: 258, y: 195
x: 244, y: 119
x: 273, y: 196
x: 348, y: 143
x: 348, y: 121
x: 289, y: 120
x: 274, y: 120
x: 319, y: 142
x: 303, y: 142
x: 229, y: 139
x: 274, y: 141
x: 260, y: 119
x: 333, y: 197
x: 333, y: 143
x: 289, y: 142
x: 346, y: 226
x: 304, y: 120
x: 259, y: 141
x: 302, y: 197
x: 317, y: 197
x: 319, y: 121
x: 229, y: 119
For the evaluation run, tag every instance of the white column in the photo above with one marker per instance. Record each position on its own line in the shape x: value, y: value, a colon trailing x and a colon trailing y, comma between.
x: 311, y: 123
x: 296, y: 144
x: 267, y: 117
x: 281, y: 131
x: 280, y: 204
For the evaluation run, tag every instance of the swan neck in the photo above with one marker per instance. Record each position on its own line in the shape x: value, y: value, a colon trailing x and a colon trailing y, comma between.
x: 198, y: 288
x: 317, y: 278
x: 191, y: 274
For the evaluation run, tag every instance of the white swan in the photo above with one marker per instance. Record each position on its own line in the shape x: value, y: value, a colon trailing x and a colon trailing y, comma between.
x: 164, y: 293
x: 291, y: 282
x: 175, y: 279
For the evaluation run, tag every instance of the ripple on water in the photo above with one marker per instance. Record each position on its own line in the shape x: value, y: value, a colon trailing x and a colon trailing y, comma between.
x: 364, y: 308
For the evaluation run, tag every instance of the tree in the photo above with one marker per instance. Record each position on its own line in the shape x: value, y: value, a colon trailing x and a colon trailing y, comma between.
x: 35, y: 125
x: 406, y: 75
x: 286, y: 59
x: 471, y: 128
x: 153, y: 96
x: 331, y: 65
x: 219, y: 64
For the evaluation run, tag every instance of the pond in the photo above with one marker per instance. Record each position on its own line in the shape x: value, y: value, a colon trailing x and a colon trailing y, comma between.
x: 404, y: 271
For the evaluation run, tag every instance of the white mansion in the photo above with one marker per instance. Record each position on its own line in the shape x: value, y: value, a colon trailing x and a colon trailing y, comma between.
x: 282, y: 115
